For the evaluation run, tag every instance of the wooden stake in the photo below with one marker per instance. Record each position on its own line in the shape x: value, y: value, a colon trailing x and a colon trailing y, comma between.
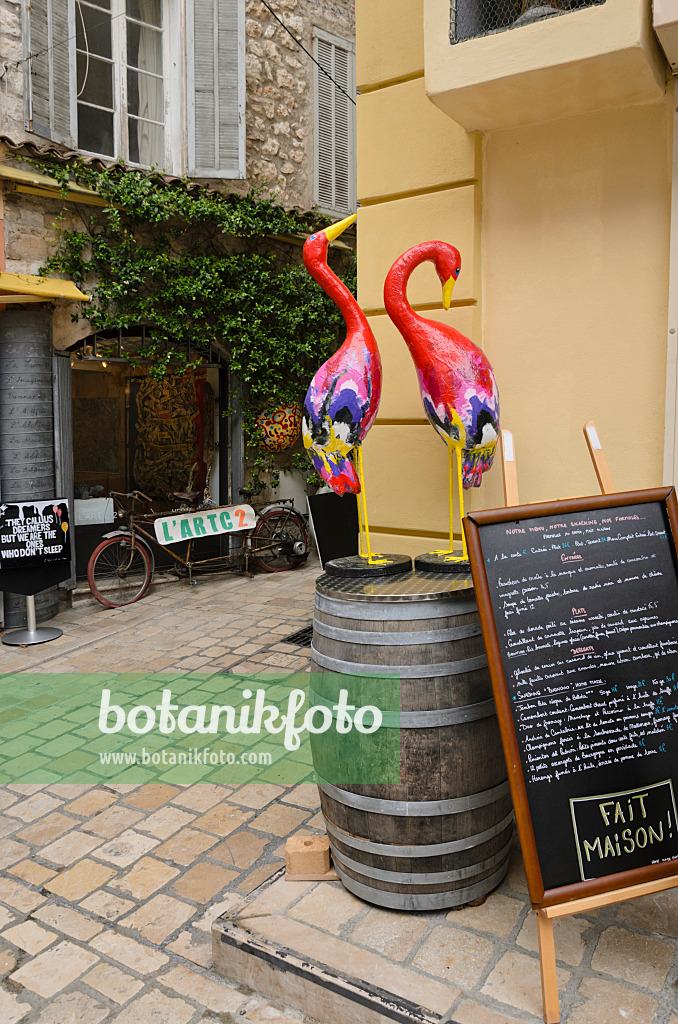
x: 508, y: 462
x: 605, y: 481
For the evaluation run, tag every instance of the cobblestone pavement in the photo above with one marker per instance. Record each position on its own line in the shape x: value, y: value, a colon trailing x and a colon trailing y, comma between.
x: 107, y: 892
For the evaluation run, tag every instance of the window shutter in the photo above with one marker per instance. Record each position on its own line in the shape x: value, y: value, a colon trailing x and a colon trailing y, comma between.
x: 48, y: 32
x: 215, y: 47
x: 335, y: 187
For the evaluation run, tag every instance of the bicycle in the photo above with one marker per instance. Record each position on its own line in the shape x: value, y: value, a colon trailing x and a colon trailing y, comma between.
x: 121, y: 567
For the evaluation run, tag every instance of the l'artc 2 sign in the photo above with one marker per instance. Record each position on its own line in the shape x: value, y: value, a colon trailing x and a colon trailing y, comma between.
x: 206, y: 523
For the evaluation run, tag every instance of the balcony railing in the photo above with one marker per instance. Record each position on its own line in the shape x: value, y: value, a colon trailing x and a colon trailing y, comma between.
x: 472, y: 18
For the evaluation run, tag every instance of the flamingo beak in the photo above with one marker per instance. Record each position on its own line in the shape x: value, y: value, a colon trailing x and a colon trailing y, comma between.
x: 334, y: 230
x: 447, y: 292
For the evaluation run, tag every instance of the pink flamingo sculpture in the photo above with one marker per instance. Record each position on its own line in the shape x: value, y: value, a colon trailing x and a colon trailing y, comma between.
x: 343, y: 397
x: 457, y: 385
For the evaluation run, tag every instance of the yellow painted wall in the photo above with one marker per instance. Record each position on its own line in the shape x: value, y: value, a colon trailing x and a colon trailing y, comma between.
x: 576, y: 247
x: 563, y: 229
x: 418, y: 178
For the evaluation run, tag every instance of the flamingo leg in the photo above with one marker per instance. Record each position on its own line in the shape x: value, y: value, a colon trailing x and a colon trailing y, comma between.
x: 460, y: 485
x: 361, y: 538
x: 361, y: 476
x: 451, y: 450
x: 455, y: 452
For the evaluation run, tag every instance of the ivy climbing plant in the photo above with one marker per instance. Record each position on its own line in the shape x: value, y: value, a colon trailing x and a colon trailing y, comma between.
x: 197, y: 266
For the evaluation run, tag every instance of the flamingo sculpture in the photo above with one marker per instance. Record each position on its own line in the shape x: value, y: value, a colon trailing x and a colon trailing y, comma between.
x: 343, y: 397
x: 457, y: 385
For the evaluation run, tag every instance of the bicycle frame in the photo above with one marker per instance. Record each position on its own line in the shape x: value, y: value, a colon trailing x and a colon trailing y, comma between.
x: 189, y: 564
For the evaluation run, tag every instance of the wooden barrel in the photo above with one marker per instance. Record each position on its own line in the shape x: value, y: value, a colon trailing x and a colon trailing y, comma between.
x: 441, y: 837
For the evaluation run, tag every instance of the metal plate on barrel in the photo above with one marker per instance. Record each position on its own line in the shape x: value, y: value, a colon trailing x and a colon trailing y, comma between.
x: 413, y: 586
x: 356, y: 566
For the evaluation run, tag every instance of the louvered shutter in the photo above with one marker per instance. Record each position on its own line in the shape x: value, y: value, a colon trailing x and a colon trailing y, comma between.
x: 215, y: 47
x: 335, y: 188
x: 48, y: 32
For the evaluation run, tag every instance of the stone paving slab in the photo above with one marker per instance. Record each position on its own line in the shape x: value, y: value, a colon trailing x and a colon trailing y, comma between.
x: 108, y: 893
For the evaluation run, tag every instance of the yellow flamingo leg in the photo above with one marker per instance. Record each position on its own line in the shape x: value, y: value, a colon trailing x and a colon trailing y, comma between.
x: 451, y: 450
x: 455, y: 451
x: 363, y: 500
x: 460, y: 484
x: 361, y: 538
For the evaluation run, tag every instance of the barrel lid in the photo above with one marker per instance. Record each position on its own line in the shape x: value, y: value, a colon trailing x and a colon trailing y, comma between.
x: 413, y: 586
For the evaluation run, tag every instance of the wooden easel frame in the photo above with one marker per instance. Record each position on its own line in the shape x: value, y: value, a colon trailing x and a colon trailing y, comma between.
x: 579, y: 896
x: 598, y: 458
x: 547, y: 949
x: 510, y: 470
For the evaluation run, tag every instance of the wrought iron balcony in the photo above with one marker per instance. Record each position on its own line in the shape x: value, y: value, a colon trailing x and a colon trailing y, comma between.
x: 470, y: 19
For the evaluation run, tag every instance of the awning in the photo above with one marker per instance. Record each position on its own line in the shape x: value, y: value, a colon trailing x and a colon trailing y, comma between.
x: 27, y: 288
x: 36, y: 184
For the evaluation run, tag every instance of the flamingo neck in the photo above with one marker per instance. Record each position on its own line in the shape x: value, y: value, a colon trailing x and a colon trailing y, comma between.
x: 354, y: 318
x: 395, y: 288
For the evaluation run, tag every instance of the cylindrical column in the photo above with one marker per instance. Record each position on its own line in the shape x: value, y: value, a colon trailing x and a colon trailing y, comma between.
x: 26, y: 428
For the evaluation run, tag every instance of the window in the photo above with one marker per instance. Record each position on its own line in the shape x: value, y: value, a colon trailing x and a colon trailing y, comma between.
x: 335, y: 171
x: 122, y: 80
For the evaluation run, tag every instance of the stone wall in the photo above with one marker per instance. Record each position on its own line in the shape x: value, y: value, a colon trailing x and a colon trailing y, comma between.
x: 280, y: 99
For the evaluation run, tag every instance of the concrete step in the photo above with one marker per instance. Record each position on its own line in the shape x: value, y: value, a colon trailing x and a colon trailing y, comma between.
x: 258, y: 945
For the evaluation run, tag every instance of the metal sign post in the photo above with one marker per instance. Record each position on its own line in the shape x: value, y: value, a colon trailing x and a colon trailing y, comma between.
x: 32, y: 634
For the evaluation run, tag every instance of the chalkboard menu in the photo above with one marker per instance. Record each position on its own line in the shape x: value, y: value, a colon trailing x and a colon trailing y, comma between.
x: 35, y: 546
x: 579, y: 607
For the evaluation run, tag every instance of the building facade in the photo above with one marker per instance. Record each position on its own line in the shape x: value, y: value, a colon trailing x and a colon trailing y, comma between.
x: 543, y: 151
x: 227, y: 93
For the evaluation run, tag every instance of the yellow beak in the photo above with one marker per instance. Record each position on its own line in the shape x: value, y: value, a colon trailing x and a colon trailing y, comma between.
x: 334, y: 230
x: 447, y: 292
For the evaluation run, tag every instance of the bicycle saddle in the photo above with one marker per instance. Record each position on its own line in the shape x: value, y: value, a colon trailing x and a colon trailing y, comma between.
x: 247, y: 492
x: 187, y: 495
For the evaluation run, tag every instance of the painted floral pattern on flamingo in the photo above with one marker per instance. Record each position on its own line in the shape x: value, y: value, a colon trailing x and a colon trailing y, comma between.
x: 343, y: 396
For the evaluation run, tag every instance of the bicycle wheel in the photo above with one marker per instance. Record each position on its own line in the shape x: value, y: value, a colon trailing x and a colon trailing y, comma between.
x: 279, y: 533
x: 119, y: 573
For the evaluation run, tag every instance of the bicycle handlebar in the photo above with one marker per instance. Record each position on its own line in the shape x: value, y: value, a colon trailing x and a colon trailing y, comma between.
x: 132, y: 494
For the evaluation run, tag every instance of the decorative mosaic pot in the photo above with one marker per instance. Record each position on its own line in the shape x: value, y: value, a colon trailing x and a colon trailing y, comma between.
x: 279, y: 427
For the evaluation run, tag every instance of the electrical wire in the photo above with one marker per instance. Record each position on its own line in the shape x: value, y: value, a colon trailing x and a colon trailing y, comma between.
x: 84, y: 32
x: 308, y: 53
x: 13, y: 65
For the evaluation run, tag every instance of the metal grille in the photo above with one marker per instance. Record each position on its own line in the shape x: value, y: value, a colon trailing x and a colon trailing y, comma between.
x: 302, y: 638
x: 472, y: 18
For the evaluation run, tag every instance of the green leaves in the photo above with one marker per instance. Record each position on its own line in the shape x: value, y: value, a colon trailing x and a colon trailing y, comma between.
x: 198, y: 267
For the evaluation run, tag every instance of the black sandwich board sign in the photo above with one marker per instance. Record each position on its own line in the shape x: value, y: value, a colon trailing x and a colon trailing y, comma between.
x: 335, y: 525
x: 35, y: 545
x: 578, y: 603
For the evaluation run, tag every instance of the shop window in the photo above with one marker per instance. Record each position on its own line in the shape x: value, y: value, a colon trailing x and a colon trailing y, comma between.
x: 335, y: 170
x: 103, y: 80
